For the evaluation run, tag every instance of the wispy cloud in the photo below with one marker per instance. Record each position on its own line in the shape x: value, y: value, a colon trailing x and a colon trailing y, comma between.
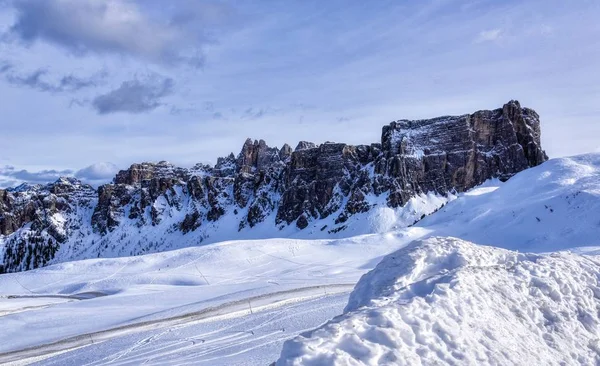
x: 95, y: 174
x: 68, y: 83
x: 5, y: 66
x: 98, y: 173
x: 134, y: 96
x: 13, y: 175
x: 489, y: 35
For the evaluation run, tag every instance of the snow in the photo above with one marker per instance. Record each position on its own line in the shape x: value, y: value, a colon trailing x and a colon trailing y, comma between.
x: 437, y: 300
x: 554, y: 206
x: 448, y: 301
x: 99, y: 297
x: 128, y: 239
x: 382, y: 219
x: 244, y: 339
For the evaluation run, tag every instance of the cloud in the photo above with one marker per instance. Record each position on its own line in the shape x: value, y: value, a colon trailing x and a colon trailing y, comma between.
x: 5, y: 66
x: 10, y: 175
x: 252, y: 113
x: 95, y: 174
x: 134, y: 96
x: 98, y: 173
x: 38, y: 79
x: 106, y: 27
x: 68, y: 83
x: 489, y: 35
x: 402, y: 61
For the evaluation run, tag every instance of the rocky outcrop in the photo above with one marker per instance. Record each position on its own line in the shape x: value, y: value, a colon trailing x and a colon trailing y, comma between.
x: 281, y: 187
x: 303, y: 145
x: 435, y: 155
x: 44, y: 217
x: 458, y: 153
x: 317, y: 180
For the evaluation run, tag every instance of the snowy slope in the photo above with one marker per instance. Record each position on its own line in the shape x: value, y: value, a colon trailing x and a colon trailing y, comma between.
x: 448, y: 301
x: 63, y: 301
x: 237, y: 302
x: 551, y: 207
x: 129, y: 239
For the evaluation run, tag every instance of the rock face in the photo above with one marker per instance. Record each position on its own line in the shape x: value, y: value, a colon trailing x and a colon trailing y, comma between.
x: 447, y: 153
x: 266, y: 186
x: 40, y: 218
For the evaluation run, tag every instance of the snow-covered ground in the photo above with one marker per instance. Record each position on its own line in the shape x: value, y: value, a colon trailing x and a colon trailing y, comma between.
x: 450, y: 302
x: 237, y: 302
x: 554, y: 206
x: 199, y: 289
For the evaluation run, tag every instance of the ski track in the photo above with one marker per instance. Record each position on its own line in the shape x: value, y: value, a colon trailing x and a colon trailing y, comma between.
x: 206, y: 350
x: 235, y: 308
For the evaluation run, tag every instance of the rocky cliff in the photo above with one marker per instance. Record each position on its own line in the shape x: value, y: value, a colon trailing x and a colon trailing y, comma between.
x: 157, y: 206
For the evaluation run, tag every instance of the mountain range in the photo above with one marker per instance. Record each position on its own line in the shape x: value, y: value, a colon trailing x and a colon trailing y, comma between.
x: 312, y: 191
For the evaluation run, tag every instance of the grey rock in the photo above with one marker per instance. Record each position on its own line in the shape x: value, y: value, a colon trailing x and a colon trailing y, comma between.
x: 304, y: 145
x: 49, y: 212
x: 442, y: 155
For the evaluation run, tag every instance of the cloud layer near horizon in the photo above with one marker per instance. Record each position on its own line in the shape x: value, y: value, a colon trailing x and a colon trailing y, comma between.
x: 95, y: 174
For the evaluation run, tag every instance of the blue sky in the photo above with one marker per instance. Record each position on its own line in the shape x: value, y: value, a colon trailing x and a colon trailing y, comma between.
x: 105, y: 83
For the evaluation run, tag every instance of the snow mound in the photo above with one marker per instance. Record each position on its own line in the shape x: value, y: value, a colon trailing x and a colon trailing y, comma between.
x: 554, y: 206
x: 448, y: 301
x: 382, y: 219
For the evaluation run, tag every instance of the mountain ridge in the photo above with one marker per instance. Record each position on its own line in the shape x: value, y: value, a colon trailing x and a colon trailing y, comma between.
x: 152, y: 206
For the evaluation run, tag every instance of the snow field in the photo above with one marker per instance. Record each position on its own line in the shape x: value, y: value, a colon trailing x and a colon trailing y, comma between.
x: 438, y: 301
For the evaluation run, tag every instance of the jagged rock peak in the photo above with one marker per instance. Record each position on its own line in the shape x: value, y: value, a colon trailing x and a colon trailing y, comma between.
x: 510, y: 124
x: 137, y: 173
x: 45, y: 209
x: 459, y: 152
x: 226, y: 166
x: 303, y: 145
x: 257, y: 156
x: 285, y: 152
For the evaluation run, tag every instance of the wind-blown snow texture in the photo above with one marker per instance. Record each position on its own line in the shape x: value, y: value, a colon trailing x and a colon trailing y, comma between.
x: 448, y: 301
x: 324, y: 191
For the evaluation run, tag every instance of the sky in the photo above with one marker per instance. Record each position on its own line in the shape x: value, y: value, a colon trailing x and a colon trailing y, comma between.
x: 88, y: 87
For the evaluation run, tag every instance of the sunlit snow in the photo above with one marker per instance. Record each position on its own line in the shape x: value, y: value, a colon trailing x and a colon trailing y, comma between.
x: 438, y: 301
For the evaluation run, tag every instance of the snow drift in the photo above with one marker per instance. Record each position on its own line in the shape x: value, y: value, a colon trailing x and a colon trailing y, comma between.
x: 554, y: 206
x: 448, y: 301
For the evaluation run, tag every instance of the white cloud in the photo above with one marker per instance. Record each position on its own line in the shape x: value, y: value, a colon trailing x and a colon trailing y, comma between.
x: 98, y: 173
x: 95, y: 174
x: 104, y: 27
x: 489, y: 35
x: 11, y: 176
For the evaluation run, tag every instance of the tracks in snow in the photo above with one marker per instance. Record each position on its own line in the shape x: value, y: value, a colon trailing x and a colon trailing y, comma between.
x: 229, y: 309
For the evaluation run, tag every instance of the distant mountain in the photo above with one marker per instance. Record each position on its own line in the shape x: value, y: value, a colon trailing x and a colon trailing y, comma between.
x: 312, y: 191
